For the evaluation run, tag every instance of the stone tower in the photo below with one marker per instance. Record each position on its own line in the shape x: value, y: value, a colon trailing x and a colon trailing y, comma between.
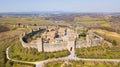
x: 89, y: 38
x: 71, y: 45
x: 40, y: 45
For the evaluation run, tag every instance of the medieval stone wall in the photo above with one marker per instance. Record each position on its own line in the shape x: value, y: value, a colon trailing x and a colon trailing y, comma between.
x: 47, y: 47
x: 55, y: 47
x: 27, y: 45
x: 80, y: 44
x: 92, y: 39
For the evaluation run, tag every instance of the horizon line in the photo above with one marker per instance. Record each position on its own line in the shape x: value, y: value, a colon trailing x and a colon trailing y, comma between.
x: 54, y: 11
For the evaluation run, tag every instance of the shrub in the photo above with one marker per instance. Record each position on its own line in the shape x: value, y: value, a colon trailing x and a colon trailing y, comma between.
x: 114, y: 42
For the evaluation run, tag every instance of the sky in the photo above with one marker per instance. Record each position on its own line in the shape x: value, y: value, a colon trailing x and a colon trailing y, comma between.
x: 60, y: 5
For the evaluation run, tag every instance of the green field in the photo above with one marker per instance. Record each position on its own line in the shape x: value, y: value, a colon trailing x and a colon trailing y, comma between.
x: 90, y: 21
x: 3, y: 45
x: 3, y: 60
x: 82, y: 64
x: 31, y: 21
x: 16, y: 64
x: 24, y: 20
x: 101, y: 52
